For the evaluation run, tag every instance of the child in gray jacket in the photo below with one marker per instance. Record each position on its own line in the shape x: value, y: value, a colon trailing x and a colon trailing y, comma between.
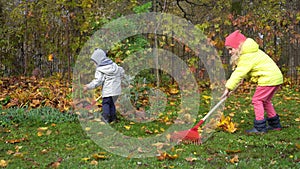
x: 108, y: 75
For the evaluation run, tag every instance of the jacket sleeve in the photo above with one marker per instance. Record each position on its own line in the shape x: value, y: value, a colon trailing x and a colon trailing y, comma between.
x: 243, y: 68
x: 98, y: 81
x: 122, y: 72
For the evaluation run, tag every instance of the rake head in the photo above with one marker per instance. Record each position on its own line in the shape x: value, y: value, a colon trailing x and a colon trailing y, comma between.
x: 190, y: 136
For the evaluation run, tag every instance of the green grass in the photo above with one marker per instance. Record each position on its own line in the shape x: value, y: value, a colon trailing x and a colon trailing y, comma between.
x: 69, y: 141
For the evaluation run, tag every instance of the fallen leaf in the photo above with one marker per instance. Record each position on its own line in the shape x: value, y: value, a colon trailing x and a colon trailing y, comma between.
x: 14, y: 141
x: 3, y: 163
x: 45, y: 151
x: 18, y: 155
x: 127, y: 127
x: 233, y: 151
x: 40, y: 134
x: 235, y: 159
x: 85, y: 159
x: 41, y: 129
x: 55, y: 164
x: 100, y: 156
x: 173, y: 91
x: 48, y: 132
x: 226, y: 124
x: 190, y: 159
x: 166, y: 156
x: 9, y: 152
x: 298, y: 145
x: 94, y: 162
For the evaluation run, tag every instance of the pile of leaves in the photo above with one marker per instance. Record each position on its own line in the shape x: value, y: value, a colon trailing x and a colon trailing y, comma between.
x: 30, y: 92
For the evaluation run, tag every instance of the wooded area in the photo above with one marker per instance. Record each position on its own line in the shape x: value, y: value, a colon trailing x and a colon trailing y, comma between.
x: 42, y: 37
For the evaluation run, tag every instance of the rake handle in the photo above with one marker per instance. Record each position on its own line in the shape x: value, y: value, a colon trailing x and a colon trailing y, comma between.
x: 218, y: 104
x: 214, y: 108
x: 208, y: 114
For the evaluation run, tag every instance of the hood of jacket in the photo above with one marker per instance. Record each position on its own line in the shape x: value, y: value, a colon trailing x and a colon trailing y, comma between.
x: 249, y: 46
x: 99, y: 57
x: 110, y: 69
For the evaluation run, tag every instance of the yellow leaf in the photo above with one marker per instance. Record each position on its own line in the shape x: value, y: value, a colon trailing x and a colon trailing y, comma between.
x: 174, y: 91
x: 40, y: 129
x: 85, y: 159
x: 127, y: 127
x: 231, y: 128
x: 226, y: 124
x: 297, y: 119
x: 205, y: 97
x: 3, y: 163
x: 87, y: 129
x: 39, y: 134
x: 99, y: 157
x: 172, y: 103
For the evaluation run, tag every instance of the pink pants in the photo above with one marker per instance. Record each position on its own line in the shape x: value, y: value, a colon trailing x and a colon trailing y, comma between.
x: 262, y: 101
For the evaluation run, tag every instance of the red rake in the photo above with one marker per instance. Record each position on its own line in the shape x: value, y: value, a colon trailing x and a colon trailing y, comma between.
x: 192, y: 135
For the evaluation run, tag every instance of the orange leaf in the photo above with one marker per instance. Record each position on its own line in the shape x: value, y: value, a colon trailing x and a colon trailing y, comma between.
x: 16, y: 140
x: 235, y: 159
x: 50, y: 58
x: 166, y: 156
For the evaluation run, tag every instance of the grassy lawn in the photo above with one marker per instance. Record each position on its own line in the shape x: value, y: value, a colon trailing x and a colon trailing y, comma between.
x: 49, y: 141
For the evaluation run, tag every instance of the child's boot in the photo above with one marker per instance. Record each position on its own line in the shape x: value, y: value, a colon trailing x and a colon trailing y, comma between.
x: 105, y: 118
x: 260, y: 127
x: 274, y: 123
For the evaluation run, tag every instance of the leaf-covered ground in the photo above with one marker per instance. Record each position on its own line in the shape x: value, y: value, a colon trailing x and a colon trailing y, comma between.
x: 46, y: 137
x: 33, y: 93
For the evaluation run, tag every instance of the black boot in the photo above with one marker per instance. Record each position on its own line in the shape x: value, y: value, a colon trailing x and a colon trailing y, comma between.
x: 260, y: 127
x: 105, y: 118
x: 274, y: 123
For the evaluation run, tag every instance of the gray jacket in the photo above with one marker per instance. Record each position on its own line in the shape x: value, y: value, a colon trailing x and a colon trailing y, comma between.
x: 108, y: 75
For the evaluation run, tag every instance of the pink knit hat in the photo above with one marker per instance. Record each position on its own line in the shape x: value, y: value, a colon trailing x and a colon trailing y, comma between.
x: 235, y: 39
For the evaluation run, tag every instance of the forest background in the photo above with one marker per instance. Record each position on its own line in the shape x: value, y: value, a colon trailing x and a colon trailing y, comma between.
x: 44, y: 37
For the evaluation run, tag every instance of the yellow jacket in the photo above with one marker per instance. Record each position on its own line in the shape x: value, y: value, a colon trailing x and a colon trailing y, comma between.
x: 255, y: 64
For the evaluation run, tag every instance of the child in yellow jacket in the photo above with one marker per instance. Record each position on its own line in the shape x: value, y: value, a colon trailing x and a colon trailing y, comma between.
x: 251, y: 62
